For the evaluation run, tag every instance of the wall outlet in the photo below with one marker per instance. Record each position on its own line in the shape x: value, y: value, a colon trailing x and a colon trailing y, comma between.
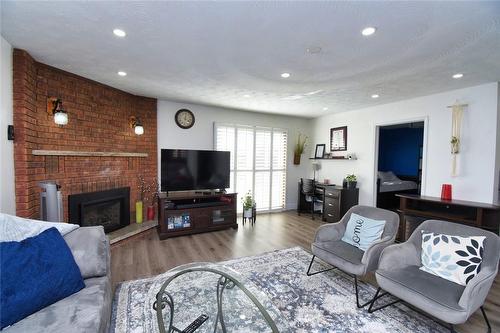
x: 10, y: 132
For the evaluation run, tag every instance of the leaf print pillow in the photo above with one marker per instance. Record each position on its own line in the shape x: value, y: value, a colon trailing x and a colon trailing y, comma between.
x: 454, y: 258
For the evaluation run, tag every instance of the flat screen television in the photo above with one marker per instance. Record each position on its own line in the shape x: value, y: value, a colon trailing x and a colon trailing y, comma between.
x: 185, y: 170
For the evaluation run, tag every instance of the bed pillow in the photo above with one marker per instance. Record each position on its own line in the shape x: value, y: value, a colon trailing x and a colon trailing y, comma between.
x: 456, y: 259
x: 36, y: 272
x: 13, y: 228
x: 387, y: 176
x: 362, y: 231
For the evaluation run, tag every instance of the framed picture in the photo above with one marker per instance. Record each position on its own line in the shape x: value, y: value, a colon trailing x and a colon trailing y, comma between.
x: 338, y: 138
x: 320, y: 151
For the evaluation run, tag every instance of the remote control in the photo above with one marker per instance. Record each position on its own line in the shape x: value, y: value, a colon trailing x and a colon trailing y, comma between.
x: 195, y: 324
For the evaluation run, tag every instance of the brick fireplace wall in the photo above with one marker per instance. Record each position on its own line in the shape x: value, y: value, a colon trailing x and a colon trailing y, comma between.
x: 98, y: 121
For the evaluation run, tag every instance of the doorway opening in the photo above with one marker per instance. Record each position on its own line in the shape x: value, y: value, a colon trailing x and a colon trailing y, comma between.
x: 399, y: 163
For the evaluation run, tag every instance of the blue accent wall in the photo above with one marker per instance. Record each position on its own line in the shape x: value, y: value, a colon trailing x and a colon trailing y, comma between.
x: 399, y: 150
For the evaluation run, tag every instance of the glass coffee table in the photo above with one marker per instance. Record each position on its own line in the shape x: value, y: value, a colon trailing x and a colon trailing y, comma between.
x: 219, y: 297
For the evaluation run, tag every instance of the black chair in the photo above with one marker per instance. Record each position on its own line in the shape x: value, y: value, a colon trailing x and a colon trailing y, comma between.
x: 308, y: 189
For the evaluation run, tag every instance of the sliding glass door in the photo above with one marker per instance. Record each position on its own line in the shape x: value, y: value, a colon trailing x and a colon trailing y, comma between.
x: 258, y: 162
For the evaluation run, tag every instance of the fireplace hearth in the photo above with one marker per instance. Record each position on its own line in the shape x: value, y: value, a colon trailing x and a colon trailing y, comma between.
x: 110, y: 208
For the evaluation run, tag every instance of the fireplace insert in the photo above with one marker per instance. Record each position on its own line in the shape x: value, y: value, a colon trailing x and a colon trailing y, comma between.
x: 110, y: 208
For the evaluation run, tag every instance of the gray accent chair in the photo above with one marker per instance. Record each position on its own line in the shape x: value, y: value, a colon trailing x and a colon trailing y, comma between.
x: 329, y: 247
x: 88, y: 310
x: 399, y: 275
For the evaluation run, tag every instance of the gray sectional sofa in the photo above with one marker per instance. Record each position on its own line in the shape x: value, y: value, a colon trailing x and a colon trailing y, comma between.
x: 89, y: 310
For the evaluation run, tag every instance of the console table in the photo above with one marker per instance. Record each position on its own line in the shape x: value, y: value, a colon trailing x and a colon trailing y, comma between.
x: 187, y: 214
x: 482, y: 215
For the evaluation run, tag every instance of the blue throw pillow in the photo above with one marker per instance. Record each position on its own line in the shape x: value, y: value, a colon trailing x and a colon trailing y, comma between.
x: 362, y: 231
x: 35, y: 273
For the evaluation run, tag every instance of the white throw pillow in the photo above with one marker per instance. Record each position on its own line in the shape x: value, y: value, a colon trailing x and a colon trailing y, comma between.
x: 15, y: 229
x: 454, y: 258
x: 362, y: 231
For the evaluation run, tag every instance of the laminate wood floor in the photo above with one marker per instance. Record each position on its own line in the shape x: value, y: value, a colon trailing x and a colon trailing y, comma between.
x: 146, y: 255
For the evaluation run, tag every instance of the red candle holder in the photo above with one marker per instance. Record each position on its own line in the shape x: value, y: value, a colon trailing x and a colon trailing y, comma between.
x: 446, y: 192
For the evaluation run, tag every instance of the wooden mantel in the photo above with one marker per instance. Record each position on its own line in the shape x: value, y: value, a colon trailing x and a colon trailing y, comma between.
x: 87, y: 153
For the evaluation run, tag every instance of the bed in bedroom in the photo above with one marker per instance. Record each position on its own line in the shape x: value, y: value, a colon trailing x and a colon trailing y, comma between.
x: 389, y: 184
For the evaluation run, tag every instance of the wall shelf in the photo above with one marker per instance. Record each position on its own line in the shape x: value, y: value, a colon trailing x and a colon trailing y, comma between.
x: 332, y: 158
x: 87, y: 153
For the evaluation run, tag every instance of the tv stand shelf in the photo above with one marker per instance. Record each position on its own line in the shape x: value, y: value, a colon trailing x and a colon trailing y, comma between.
x: 187, y: 214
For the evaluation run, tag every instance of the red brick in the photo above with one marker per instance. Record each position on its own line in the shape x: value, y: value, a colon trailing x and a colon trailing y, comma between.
x: 98, y: 121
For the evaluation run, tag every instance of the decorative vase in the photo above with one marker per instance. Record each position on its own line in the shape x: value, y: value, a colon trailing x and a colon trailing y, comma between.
x: 138, y: 211
x: 247, y: 213
x: 296, y: 159
x: 150, y: 213
x: 446, y: 192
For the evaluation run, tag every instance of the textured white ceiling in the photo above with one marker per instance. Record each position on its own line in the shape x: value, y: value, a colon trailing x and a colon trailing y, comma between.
x: 217, y: 52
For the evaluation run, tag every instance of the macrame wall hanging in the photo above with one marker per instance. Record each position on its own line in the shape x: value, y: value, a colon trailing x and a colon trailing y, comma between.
x: 457, y: 111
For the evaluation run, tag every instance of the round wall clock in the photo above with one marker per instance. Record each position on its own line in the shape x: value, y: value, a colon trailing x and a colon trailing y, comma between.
x: 184, y: 118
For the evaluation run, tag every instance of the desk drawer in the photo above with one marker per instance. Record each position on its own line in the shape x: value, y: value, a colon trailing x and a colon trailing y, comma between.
x: 332, y: 204
x: 332, y: 210
x: 332, y: 193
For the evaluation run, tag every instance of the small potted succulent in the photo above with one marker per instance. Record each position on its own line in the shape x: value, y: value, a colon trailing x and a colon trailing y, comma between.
x: 351, y: 181
x: 248, y: 204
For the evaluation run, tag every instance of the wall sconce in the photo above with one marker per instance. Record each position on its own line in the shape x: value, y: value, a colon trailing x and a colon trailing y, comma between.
x: 136, y: 124
x: 55, y: 109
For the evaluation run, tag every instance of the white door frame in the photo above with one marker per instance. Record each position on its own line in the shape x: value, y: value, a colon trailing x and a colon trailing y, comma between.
x: 424, y: 151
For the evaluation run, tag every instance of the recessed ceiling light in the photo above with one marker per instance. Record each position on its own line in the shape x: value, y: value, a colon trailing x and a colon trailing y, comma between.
x: 458, y: 76
x: 375, y: 96
x: 368, y: 31
x: 285, y: 75
x: 325, y: 108
x: 119, y: 32
x: 246, y: 96
x: 313, y: 49
x: 121, y: 73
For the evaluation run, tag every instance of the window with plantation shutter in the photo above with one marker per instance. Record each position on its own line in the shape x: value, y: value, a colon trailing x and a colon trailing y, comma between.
x: 258, y: 162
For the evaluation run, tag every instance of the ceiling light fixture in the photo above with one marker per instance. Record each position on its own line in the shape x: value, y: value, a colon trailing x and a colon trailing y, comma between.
x: 119, y: 33
x: 458, y: 76
x: 285, y: 75
x: 325, y: 108
x: 368, y: 31
x: 375, y: 96
x: 121, y: 73
x: 246, y: 96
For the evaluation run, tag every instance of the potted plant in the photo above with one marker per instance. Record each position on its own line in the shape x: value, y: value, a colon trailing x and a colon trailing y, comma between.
x: 299, y: 148
x: 351, y: 181
x: 248, y: 204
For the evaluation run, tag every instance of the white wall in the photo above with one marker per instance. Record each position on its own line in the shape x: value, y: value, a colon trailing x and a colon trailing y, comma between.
x: 200, y: 136
x: 476, y: 162
x: 497, y: 168
x: 7, y: 198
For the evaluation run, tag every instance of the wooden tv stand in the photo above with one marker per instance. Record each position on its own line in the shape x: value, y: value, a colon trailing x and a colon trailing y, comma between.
x: 186, y: 214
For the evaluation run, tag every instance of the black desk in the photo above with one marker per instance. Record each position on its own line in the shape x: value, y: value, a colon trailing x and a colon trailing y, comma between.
x: 336, y: 201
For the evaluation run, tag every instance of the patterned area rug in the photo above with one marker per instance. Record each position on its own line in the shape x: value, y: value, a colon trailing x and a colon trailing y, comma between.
x: 319, y: 303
